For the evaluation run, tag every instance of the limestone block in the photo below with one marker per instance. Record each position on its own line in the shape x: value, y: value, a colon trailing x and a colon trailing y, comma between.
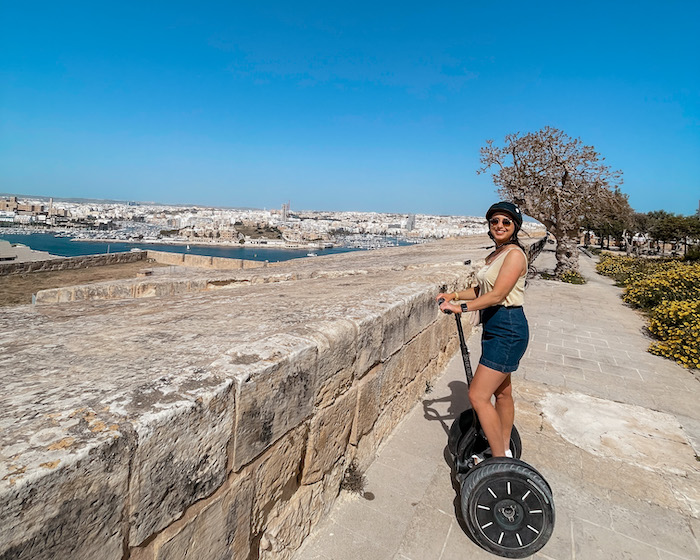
x: 97, y: 291
x: 402, y: 368
x: 336, y: 343
x: 329, y: 432
x: 322, y: 502
x: 80, y: 293
x: 368, y: 403
x: 418, y: 350
x: 434, y: 333
x: 422, y: 311
x: 365, y: 451
x: 254, y: 264
x: 382, y: 427
x: 73, y: 509
x: 394, y: 321
x: 395, y: 410
x: 276, y: 384
x: 46, y: 297
x: 221, y: 530
x: 370, y: 333
x: 165, y: 257
x: 276, y: 474
x: 65, y: 295
x: 144, y: 290
x: 429, y: 372
x: 197, y: 285
x: 395, y: 377
x: 227, y: 264
x: 173, y: 287
x: 184, y: 286
x: 181, y: 452
x: 413, y: 393
x: 289, y: 524
x: 121, y: 291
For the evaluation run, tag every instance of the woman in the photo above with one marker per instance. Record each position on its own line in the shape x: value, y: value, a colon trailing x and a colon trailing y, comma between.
x: 499, y: 297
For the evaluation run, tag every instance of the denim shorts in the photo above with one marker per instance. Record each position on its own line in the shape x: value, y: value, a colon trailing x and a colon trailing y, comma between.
x: 504, y: 338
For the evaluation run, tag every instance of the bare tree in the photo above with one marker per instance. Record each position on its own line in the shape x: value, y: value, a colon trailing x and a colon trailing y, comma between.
x: 555, y: 179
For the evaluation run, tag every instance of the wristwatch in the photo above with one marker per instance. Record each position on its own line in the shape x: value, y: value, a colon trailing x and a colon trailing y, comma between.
x: 464, y: 307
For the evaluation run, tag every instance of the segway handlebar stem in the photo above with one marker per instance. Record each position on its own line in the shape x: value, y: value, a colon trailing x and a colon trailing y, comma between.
x: 462, y: 344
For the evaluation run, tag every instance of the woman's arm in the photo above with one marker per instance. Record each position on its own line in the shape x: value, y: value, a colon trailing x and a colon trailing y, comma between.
x: 513, y: 267
x: 468, y: 294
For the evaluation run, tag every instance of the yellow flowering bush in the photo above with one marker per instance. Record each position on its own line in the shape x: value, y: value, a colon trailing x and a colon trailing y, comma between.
x: 678, y: 283
x: 626, y: 270
x: 677, y: 325
x: 669, y: 290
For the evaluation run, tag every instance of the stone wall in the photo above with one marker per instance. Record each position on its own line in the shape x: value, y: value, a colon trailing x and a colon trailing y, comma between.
x: 201, y: 261
x: 69, y: 263
x: 219, y: 423
x: 159, y: 283
x: 341, y: 399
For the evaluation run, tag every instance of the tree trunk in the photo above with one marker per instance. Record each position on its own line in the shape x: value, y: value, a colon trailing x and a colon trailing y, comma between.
x: 628, y: 242
x: 566, y: 253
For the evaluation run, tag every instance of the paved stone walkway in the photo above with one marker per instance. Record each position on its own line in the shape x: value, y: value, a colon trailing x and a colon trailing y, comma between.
x: 615, y: 430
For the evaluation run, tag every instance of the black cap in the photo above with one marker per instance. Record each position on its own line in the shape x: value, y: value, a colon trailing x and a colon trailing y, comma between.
x: 508, y: 208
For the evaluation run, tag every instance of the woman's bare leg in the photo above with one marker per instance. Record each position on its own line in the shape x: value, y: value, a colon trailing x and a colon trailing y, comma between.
x: 505, y: 408
x: 485, y: 384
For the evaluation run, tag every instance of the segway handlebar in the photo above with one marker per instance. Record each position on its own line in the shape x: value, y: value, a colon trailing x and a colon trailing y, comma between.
x: 462, y: 344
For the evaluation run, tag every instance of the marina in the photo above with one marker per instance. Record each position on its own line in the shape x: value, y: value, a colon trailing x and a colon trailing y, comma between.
x: 66, y: 246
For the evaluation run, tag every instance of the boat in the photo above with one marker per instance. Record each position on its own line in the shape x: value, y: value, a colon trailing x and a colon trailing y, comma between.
x: 311, y: 255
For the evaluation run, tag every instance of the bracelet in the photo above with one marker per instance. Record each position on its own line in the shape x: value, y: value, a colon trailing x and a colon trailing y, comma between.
x: 456, y: 296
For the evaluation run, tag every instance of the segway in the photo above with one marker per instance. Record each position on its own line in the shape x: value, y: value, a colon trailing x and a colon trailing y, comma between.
x: 506, y: 504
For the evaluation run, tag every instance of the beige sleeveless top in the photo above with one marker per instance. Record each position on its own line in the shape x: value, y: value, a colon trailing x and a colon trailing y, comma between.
x: 486, y: 278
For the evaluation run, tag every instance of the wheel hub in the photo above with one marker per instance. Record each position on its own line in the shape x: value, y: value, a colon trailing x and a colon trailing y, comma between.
x: 509, y: 514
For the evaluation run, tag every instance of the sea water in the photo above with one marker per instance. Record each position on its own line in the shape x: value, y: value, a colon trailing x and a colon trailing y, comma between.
x: 66, y: 247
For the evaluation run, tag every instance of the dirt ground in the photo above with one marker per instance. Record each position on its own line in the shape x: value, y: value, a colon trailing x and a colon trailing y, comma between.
x: 17, y: 289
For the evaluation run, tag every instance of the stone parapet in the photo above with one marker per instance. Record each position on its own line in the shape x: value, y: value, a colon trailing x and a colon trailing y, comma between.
x: 217, y: 422
x: 70, y: 263
x: 203, y: 261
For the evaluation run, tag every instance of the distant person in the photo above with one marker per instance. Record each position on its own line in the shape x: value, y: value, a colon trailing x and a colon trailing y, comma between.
x: 499, y: 296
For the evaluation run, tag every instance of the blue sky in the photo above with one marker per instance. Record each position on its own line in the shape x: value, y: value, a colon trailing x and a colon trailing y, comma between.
x: 340, y: 106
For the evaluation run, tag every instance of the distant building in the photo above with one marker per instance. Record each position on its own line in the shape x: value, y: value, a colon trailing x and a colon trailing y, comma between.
x: 411, y: 222
x: 9, y: 205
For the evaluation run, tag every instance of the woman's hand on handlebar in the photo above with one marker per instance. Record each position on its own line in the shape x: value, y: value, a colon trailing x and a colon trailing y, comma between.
x: 446, y: 305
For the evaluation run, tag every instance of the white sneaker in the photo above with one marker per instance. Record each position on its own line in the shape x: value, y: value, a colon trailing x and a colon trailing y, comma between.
x: 476, y: 459
x: 509, y: 453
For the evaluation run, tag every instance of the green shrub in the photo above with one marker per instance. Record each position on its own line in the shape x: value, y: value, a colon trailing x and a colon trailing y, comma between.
x: 572, y: 277
x: 693, y: 254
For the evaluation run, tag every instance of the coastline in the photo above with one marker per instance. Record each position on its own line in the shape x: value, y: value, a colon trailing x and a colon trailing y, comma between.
x: 226, y: 244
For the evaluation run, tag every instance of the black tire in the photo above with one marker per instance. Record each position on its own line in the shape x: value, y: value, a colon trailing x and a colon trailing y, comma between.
x: 508, y: 507
x: 516, y: 445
